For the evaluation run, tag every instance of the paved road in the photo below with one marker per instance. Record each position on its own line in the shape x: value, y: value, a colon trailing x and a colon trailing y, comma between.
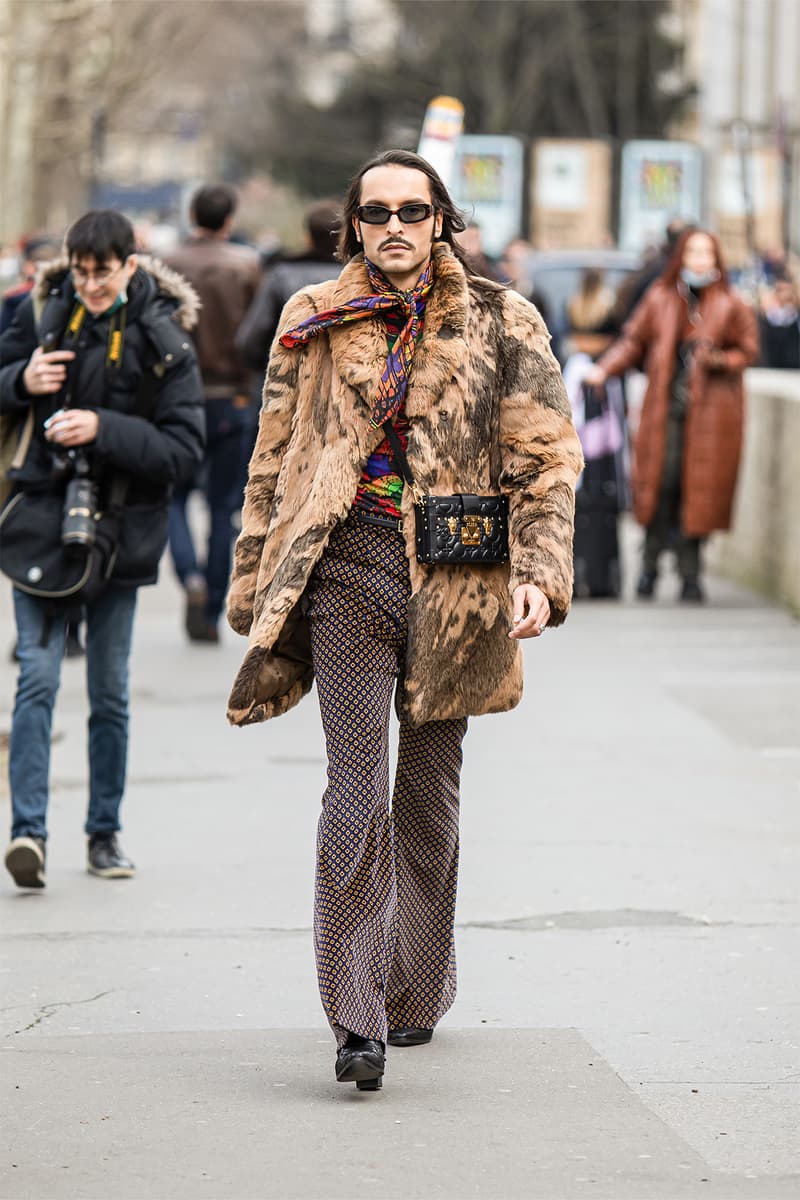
x: 628, y: 1018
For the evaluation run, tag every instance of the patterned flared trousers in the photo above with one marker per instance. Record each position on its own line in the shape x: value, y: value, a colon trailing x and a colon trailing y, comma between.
x: 385, y: 889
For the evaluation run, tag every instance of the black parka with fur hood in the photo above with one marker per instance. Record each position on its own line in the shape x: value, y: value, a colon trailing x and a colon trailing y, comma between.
x: 150, y: 405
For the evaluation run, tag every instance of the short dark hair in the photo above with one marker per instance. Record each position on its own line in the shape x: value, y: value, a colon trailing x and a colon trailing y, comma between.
x: 452, y: 219
x: 212, y: 204
x: 102, y: 234
x: 324, y: 222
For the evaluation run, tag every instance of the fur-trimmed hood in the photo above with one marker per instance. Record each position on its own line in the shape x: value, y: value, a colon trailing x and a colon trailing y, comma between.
x: 168, y: 282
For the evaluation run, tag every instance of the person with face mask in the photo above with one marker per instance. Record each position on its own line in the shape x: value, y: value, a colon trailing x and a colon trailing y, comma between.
x: 693, y: 337
x: 780, y: 326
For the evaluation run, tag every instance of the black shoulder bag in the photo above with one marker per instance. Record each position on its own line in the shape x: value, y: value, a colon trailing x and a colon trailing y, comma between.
x: 463, y: 528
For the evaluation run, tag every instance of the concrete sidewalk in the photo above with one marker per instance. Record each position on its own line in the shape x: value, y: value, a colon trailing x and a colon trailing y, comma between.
x: 628, y: 1018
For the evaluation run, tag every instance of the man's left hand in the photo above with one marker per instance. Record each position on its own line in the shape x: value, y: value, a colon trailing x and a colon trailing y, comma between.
x: 74, y: 427
x: 531, y: 611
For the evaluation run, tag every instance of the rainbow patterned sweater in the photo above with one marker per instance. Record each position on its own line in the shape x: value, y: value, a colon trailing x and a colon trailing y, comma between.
x: 380, y: 489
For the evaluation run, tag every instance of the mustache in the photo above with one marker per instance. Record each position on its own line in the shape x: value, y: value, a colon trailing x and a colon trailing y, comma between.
x: 395, y: 241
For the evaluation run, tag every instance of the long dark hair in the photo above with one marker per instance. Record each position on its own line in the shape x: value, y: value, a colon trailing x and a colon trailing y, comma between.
x: 673, y: 268
x: 453, y: 220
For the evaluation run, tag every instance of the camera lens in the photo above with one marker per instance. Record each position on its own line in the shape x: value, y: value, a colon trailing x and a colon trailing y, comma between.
x: 80, y: 505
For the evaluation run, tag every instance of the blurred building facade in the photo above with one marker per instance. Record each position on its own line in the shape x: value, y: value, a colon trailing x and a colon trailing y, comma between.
x: 339, y: 32
x: 743, y: 56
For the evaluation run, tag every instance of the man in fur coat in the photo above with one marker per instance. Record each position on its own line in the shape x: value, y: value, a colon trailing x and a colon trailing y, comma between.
x: 326, y: 582
x: 100, y: 359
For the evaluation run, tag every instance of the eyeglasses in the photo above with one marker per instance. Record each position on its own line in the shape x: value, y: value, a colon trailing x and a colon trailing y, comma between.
x: 409, y: 214
x: 101, y: 278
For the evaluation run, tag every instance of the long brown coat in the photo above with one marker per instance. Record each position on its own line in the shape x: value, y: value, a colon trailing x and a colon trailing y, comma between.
x: 715, y: 414
x: 487, y: 412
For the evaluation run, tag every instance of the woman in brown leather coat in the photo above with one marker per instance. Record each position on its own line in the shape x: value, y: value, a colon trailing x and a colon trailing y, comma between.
x: 693, y: 337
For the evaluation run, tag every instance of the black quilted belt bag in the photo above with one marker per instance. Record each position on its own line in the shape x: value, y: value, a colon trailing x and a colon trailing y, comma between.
x: 454, y: 529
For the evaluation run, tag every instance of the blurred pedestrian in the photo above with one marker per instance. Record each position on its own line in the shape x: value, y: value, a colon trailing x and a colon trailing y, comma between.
x: 693, y: 336
x: 590, y: 313
x: 633, y: 289
x: 515, y: 270
x: 470, y: 240
x: 317, y: 263
x: 34, y: 251
x: 225, y: 277
x: 378, y: 390
x: 780, y: 326
x: 102, y: 366
x: 599, y: 415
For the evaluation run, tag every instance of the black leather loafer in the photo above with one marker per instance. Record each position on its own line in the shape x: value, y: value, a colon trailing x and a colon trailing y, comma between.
x: 361, y: 1061
x: 409, y: 1036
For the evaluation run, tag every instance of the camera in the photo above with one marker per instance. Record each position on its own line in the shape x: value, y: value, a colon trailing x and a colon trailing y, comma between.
x: 78, y: 527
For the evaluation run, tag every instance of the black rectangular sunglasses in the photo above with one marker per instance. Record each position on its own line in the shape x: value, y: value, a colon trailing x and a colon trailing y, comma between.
x: 409, y: 214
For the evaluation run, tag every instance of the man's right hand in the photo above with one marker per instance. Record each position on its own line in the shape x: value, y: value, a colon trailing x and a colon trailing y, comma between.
x: 45, y: 372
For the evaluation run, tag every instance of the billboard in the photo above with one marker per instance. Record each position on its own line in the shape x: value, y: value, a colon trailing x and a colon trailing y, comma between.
x: 571, y: 194
x: 660, y: 180
x: 487, y: 185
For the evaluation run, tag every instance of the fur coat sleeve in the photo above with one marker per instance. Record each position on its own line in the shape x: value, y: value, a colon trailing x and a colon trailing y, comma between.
x: 540, y: 457
x: 274, y: 431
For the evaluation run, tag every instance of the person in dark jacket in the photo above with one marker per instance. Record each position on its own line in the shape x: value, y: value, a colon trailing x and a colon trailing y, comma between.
x: 34, y: 252
x: 633, y: 289
x: 101, y: 355
x: 317, y: 264
x: 779, y: 325
x: 225, y: 276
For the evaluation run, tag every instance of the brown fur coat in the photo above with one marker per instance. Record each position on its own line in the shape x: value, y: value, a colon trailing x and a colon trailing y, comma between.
x: 487, y: 412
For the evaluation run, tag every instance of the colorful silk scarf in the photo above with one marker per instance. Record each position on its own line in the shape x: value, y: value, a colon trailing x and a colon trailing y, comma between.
x: 411, y: 305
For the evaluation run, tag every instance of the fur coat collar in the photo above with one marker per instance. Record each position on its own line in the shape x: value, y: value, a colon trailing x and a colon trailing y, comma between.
x: 167, y: 282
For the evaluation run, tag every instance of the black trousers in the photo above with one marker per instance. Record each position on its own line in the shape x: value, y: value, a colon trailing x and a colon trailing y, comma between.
x: 664, y: 531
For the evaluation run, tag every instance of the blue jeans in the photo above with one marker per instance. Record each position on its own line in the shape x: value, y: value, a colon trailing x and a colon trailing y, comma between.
x: 109, y: 622
x: 223, y: 479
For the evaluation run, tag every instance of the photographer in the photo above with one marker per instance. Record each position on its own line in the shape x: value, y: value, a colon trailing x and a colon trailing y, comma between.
x: 99, y: 356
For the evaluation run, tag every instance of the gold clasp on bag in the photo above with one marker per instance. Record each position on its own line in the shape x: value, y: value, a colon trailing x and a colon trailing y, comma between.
x: 470, y: 532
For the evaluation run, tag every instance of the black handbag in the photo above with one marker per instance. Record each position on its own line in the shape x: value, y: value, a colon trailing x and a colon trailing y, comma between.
x: 34, y: 557
x: 463, y: 528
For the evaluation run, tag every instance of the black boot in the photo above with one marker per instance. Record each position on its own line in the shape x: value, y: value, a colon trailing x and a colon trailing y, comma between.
x: 409, y: 1035
x: 361, y: 1061
x: 691, y: 591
